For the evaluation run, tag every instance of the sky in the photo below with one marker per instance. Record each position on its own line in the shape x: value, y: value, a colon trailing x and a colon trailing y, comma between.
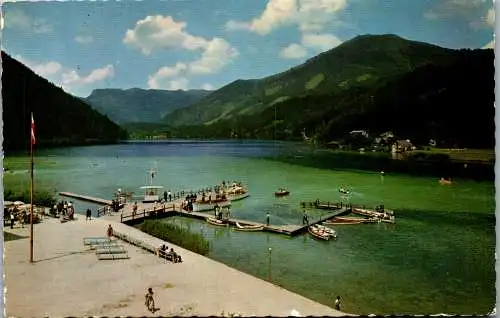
x: 206, y: 44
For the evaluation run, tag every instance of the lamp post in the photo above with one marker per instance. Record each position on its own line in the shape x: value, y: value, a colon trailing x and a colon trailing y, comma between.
x: 269, y: 269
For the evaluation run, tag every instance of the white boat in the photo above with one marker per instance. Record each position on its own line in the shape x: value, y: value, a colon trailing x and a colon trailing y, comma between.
x: 199, y: 206
x: 151, y: 192
x: 325, y: 229
x: 386, y: 216
x: 237, y: 192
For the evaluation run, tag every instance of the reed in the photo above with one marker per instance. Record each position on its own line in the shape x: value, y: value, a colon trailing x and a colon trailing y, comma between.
x: 176, y: 235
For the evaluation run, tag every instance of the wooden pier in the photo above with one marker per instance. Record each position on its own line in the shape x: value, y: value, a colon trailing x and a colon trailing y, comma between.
x: 85, y: 198
x: 172, y: 210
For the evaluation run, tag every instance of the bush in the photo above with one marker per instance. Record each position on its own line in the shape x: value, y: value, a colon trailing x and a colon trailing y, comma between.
x: 41, y: 198
x: 176, y: 235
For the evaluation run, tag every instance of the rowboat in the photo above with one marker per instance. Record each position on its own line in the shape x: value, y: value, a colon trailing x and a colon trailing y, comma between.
x: 215, y: 222
x: 344, y: 191
x: 249, y: 228
x: 281, y: 193
x: 384, y: 215
x: 444, y: 181
x: 350, y: 220
x: 326, y: 229
x: 316, y: 233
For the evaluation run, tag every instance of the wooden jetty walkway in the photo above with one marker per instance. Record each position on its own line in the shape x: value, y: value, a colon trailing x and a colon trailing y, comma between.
x: 85, y: 198
x: 173, y: 208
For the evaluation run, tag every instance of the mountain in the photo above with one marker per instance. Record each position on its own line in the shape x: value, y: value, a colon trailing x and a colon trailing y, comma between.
x: 363, y: 61
x: 139, y: 105
x: 450, y: 99
x: 60, y: 118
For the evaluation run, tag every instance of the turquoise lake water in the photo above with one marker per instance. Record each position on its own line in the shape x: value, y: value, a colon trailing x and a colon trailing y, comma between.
x: 437, y: 258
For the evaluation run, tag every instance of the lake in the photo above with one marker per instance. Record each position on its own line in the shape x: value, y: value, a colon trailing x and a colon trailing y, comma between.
x: 437, y: 258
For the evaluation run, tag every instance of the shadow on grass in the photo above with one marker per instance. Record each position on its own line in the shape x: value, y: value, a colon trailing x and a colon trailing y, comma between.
x: 11, y: 237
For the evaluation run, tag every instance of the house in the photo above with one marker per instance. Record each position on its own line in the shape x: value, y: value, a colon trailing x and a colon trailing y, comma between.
x: 402, y: 146
x: 363, y: 133
x: 334, y: 145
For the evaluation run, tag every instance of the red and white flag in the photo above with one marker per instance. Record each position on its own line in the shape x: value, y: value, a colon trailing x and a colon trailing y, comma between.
x: 33, y: 140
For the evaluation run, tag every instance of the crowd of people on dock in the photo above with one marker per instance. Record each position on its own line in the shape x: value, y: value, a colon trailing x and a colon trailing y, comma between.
x: 222, y: 213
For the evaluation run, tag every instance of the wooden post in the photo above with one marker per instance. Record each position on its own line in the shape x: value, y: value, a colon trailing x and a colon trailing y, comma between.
x: 121, y: 217
x: 269, y: 269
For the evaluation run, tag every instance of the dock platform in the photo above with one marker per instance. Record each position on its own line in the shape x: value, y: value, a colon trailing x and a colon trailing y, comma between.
x: 85, y: 198
x: 173, y: 208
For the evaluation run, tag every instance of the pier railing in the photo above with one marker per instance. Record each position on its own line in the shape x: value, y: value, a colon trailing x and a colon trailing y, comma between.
x: 147, y: 212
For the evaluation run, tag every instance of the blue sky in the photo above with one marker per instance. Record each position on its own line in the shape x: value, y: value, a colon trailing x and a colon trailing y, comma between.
x: 192, y: 44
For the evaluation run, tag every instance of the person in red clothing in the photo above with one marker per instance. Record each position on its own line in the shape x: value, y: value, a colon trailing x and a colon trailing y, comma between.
x: 110, y: 231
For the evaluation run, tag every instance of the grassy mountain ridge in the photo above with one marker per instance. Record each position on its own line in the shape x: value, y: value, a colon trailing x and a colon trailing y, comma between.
x: 364, y: 60
x: 60, y: 118
x: 451, y: 102
x: 141, y: 105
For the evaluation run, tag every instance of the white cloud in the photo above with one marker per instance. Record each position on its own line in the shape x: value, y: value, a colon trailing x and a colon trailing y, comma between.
x: 232, y: 25
x: 490, y: 17
x: 477, y: 13
x: 72, y: 78
x: 320, y: 42
x: 69, y: 79
x: 308, y: 15
x: 161, y: 32
x: 490, y: 45
x: 84, y: 39
x: 293, y: 51
x: 207, y: 87
x: 18, y: 19
x: 215, y: 57
x: 179, y: 83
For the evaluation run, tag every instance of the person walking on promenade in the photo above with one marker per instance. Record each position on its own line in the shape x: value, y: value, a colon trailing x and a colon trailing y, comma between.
x: 267, y: 218
x: 109, y: 232
x: 12, y: 219
x: 88, y: 215
x: 337, y: 303
x: 150, y: 302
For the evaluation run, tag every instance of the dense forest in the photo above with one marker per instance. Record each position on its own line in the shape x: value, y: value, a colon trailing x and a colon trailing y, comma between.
x: 60, y: 118
x: 136, y: 105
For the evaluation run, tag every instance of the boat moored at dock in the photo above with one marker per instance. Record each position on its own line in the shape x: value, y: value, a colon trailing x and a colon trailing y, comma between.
x: 249, y: 228
x: 384, y: 215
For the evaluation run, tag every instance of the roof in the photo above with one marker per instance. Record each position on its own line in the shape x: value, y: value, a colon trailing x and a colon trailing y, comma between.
x: 152, y: 187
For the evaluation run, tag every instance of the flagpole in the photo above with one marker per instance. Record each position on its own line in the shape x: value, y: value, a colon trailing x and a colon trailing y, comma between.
x: 32, y: 186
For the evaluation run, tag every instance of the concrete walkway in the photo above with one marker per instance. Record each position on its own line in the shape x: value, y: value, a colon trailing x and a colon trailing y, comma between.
x: 67, y: 279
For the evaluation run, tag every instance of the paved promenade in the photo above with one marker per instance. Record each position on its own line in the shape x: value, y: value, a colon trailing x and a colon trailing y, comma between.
x: 67, y: 279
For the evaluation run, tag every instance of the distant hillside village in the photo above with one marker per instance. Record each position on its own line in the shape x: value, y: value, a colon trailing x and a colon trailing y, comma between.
x: 361, y: 140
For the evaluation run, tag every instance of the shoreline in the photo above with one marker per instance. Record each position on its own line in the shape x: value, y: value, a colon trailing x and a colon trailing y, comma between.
x: 52, y: 286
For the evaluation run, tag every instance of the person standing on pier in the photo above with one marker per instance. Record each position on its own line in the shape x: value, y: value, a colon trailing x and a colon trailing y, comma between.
x: 267, y: 218
x: 305, y: 219
x: 337, y: 303
x: 88, y: 215
x: 169, y: 196
x: 134, y: 209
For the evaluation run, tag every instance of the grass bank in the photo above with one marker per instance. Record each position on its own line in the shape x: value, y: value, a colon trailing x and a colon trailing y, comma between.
x: 176, y: 235
x: 16, y: 181
x: 420, y: 163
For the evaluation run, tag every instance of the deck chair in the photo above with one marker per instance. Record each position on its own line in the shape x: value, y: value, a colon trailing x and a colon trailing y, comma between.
x: 112, y: 256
